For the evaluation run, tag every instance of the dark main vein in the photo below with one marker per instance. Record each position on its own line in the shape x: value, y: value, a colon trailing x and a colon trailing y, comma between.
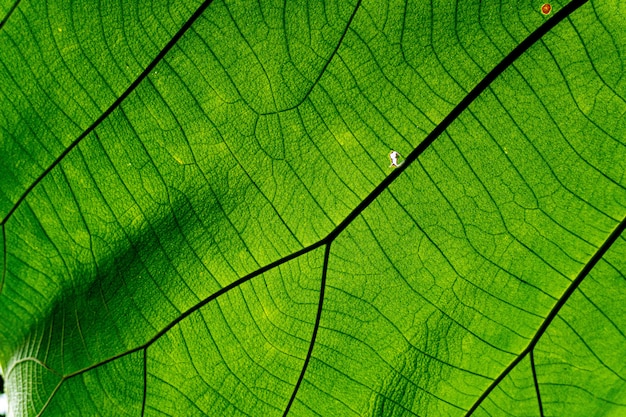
x: 314, y: 335
x: 536, y: 381
x: 456, y: 112
x: 554, y: 312
x: 9, y: 13
x: 436, y: 132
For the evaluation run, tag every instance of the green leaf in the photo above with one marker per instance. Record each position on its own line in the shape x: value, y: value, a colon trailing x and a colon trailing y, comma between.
x: 199, y: 216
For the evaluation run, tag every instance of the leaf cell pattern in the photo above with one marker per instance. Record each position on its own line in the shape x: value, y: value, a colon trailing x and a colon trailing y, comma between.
x: 207, y: 224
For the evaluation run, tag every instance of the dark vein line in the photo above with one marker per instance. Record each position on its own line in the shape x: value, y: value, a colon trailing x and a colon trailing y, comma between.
x: 314, y: 335
x: 232, y: 286
x: 195, y: 308
x: 554, y: 312
x: 464, y: 104
x: 534, y: 370
x: 199, y: 305
x: 145, y: 381
x: 15, y: 4
x: 112, y: 107
x: 590, y: 349
x: 323, y: 69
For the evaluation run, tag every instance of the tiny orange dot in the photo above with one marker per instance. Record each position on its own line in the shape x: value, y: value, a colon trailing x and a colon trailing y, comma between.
x: 546, y: 8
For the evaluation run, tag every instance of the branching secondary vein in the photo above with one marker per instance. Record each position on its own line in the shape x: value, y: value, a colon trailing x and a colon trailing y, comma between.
x: 537, y: 390
x: 145, y: 381
x: 554, y: 312
x: 323, y: 70
x: 201, y: 304
x: 314, y: 335
x: 4, y: 257
x: 112, y: 107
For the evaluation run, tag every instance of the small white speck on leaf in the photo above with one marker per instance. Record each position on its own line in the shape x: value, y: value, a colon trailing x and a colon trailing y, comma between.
x: 394, y: 157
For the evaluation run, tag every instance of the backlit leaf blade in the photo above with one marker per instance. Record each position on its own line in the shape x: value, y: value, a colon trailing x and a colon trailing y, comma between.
x: 437, y: 241
x: 252, y: 138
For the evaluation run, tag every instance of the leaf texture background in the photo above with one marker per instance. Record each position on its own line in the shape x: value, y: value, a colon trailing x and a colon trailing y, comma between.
x: 199, y: 217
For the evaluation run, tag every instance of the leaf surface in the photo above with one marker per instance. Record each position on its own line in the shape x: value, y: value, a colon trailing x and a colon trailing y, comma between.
x: 199, y: 216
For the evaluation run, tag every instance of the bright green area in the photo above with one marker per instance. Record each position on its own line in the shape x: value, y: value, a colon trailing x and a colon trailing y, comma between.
x: 581, y: 355
x: 5, y: 6
x: 254, y: 137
